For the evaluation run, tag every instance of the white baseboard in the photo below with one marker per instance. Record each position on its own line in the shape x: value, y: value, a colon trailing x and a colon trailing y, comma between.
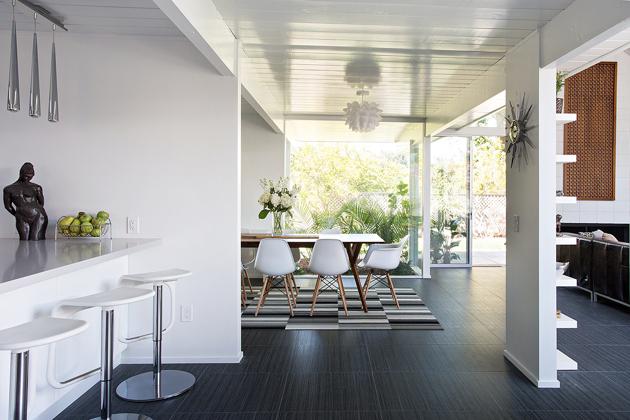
x: 533, y: 378
x: 141, y: 360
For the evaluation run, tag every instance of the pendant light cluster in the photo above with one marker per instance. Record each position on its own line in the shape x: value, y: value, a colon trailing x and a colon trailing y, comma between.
x: 34, y: 100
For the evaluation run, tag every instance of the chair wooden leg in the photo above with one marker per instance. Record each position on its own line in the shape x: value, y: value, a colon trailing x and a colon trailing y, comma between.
x: 285, y: 280
x: 297, y: 291
x: 289, y: 284
x: 315, y: 293
x: 342, y: 292
x: 390, y: 283
x: 243, y: 293
x: 263, y: 294
x: 366, y: 286
x: 249, y: 282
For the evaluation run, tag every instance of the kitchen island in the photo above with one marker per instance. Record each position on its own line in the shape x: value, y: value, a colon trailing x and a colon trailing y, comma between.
x: 34, y: 277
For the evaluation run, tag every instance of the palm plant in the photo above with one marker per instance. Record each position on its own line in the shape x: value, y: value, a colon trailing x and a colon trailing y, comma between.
x: 446, y: 233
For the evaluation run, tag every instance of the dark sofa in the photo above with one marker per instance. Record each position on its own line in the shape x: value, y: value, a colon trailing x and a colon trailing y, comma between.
x: 600, y: 267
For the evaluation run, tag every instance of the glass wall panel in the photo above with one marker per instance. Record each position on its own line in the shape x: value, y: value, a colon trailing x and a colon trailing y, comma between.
x: 450, y: 201
x: 358, y: 188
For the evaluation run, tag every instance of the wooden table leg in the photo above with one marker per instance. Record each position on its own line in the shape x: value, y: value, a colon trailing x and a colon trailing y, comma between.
x: 353, y: 255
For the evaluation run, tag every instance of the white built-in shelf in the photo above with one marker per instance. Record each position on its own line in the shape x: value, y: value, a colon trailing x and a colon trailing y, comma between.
x: 566, y: 158
x: 565, y: 281
x: 565, y: 322
x: 566, y: 240
x: 565, y: 118
x: 565, y: 199
x: 564, y: 362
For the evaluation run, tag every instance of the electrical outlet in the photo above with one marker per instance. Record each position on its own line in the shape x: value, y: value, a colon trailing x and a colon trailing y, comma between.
x: 187, y: 313
x: 133, y: 224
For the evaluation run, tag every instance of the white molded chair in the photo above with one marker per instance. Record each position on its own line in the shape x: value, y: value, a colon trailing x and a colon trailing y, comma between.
x: 380, y: 260
x: 329, y: 261
x: 19, y: 340
x: 157, y: 384
x: 275, y: 261
x: 108, y: 301
x: 245, y: 279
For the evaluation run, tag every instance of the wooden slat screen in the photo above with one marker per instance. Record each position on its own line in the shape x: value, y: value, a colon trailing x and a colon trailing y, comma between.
x: 591, y: 94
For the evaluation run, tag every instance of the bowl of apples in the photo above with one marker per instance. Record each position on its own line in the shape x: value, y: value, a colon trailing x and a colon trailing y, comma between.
x: 84, y: 225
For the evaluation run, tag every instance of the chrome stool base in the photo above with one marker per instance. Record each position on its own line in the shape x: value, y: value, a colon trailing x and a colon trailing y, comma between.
x: 146, y: 386
x: 125, y: 416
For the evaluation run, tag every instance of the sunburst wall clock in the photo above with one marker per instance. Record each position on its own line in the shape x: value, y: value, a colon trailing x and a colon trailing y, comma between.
x: 518, y: 140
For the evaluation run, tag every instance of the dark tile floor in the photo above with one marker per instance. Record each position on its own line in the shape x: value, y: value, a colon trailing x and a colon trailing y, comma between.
x: 457, y: 373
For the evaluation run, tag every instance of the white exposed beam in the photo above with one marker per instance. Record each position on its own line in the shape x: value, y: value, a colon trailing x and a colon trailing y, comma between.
x: 342, y: 117
x: 486, y: 88
x: 473, y: 132
x: 203, y: 25
x: 580, y: 26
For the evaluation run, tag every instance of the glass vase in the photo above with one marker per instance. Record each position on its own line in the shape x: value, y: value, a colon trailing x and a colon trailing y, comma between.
x: 277, y: 223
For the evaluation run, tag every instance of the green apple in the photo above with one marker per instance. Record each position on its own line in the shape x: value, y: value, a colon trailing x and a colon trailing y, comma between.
x: 75, y: 226
x: 85, y: 218
x: 102, y: 215
x: 86, y: 227
x: 65, y: 221
x: 97, y: 222
x: 96, y: 232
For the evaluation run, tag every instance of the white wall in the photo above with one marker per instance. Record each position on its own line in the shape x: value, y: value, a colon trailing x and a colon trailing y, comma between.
x: 617, y: 211
x: 530, y: 288
x: 147, y: 129
x: 263, y: 156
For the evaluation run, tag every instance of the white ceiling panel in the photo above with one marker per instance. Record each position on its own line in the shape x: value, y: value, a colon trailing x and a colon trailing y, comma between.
x: 124, y: 17
x: 418, y: 54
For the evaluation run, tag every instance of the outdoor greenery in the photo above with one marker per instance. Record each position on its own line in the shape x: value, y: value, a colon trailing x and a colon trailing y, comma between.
x: 362, y: 188
x: 447, y: 230
x: 330, y: 174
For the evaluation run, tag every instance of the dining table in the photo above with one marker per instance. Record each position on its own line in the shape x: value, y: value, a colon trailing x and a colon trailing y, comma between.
x: 351, y: 241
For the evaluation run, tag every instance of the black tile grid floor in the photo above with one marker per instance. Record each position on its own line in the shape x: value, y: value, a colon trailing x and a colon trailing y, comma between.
x: 457, y: 373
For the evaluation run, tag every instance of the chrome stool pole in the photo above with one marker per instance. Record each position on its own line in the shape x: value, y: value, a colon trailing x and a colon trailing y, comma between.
x: 18, y: 399
x: 158, y: 384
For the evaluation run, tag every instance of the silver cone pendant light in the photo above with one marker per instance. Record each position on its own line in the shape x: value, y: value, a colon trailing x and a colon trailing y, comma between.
x: 53, y: 97
x: 34, y: 105
x: 13, y: 97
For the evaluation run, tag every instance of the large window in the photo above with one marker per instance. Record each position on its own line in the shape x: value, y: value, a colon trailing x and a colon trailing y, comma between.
x: 355, y: 187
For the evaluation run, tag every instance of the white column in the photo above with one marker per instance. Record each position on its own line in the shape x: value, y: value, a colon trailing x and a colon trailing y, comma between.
x: 426, y: 208
x: 530, y: 288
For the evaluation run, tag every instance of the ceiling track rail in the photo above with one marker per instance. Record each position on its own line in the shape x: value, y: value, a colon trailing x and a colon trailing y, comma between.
x: 42, y: 12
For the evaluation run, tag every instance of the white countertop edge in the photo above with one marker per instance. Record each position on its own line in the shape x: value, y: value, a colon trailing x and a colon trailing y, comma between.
x: 69, y: 268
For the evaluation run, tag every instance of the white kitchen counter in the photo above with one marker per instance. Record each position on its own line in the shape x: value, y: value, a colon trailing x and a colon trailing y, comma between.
x: 34, y: 278
x: 23, y: 263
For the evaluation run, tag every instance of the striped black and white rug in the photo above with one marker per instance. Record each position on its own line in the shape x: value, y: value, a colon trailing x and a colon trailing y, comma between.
x: 329, y: 315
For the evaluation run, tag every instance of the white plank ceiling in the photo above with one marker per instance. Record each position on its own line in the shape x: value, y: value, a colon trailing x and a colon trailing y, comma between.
x: 124, y: 17
x: 426, y: 51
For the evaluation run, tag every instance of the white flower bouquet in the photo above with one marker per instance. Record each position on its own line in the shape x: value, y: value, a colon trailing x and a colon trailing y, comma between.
x: 277, y: 199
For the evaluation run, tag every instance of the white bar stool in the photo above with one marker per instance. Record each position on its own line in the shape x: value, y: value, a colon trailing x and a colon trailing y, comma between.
x: 19, y: 340
x: 107, y: 301
x: 158, y: 384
